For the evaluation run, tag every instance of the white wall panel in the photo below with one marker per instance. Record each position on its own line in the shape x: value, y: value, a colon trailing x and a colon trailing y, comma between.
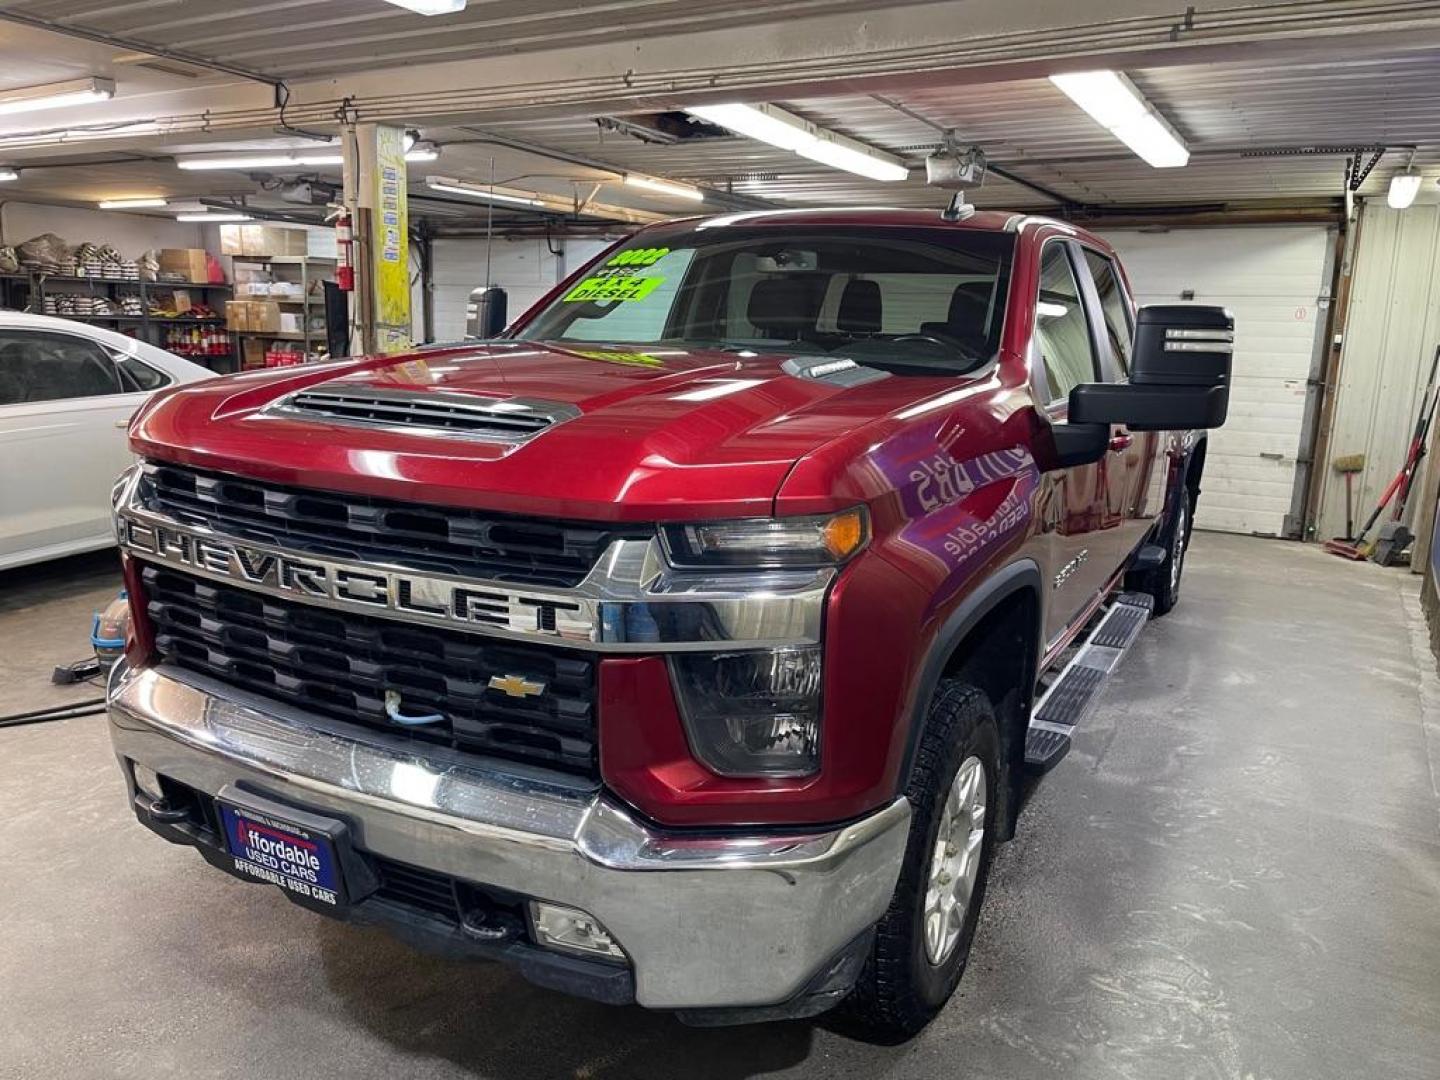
x: 524, y: 267
x: 1271, y: 277
x: 131, y: 234
x: 1390, y: 337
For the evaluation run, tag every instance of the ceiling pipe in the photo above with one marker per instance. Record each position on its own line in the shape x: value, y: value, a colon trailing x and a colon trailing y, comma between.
x: 511, y: 142
x: 131, y: 45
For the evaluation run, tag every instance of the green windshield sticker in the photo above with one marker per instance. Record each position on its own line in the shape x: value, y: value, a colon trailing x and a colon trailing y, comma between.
x: 613, y: 288
x: 639, y: 257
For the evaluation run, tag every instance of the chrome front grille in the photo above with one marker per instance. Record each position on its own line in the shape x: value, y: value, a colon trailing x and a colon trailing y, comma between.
x: 328, y: 524
x: 343, y: 665
x: 428, y: 412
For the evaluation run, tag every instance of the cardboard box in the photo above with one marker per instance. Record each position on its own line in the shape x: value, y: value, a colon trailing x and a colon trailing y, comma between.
x: 237, y: 315
x: 230, y: 240
x: 184, y: 264
x: 261, y: 240
x: 263, y: 316
x: 320, y: 243
x: 252, y: 353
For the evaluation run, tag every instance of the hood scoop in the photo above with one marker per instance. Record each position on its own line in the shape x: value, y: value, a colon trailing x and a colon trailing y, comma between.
x: 839, y: 370
x: 427, y: 412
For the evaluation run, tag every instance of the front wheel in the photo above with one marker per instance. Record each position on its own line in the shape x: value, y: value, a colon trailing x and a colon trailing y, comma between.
x: 923, y: 942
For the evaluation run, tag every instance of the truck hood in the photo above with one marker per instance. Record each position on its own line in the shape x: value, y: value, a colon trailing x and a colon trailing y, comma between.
x: 646, y: 435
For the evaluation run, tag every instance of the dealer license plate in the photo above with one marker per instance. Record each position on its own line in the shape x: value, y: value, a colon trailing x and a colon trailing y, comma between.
x: 299, y: 860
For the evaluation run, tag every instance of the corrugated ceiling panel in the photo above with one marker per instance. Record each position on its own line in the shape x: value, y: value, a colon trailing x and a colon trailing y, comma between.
x: 296, y: 38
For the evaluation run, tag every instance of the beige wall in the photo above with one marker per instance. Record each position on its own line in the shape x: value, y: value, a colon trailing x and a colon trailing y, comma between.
x: 131, y: 234
x: 1390, y: 338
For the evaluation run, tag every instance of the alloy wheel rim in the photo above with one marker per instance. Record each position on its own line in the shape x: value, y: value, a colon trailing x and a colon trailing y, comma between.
x: 1177, y: 554
x: 955, y: 861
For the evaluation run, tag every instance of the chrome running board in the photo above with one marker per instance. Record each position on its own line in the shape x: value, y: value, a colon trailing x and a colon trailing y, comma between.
x: 1070, y: 698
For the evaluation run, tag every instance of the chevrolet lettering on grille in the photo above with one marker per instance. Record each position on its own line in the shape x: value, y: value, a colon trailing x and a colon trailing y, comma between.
x: 416, y: 597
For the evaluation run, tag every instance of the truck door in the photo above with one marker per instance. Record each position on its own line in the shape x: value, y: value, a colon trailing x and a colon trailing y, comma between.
x: 1130, y: 464
x: 1076, y: 527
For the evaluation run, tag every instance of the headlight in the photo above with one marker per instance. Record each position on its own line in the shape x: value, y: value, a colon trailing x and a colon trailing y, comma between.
x: 769, y: 542
x: 752, y: 713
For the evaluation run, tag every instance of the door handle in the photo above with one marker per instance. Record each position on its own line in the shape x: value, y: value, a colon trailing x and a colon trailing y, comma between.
x: 1121, y: 442
x: 126, y: 423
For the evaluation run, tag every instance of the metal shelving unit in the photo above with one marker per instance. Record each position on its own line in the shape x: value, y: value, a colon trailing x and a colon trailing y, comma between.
x: 305, y: 263
x: 35, y: 287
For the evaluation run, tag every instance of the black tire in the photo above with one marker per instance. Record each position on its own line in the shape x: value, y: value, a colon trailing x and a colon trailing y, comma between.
x: 1163, y: 582
x: 900, y: 990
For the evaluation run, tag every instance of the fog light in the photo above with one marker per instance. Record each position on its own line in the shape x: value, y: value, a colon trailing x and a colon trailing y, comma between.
x: 752, y: 713
x: 147, y: 780
x: 572, y: 930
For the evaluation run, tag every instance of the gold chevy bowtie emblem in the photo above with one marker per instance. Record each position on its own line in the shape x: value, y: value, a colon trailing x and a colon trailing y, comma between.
x: 516, y: 686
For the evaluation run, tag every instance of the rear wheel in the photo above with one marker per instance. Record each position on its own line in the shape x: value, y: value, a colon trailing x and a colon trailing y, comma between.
x: 1163, y: 582
x: 923, y: 942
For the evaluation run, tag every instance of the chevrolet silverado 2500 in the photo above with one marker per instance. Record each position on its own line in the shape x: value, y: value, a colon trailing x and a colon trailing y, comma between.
x: 688, y: 644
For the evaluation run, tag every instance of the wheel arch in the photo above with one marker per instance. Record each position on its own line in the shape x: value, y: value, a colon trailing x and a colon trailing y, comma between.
x: 1195, y: 465
x: 994, y: 639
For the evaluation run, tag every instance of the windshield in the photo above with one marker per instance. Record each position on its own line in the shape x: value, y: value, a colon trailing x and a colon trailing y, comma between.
x: 920, y: 301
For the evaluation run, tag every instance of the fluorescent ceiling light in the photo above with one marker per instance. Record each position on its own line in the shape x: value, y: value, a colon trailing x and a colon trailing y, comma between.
x: 664, y: 187
x: 430, y: 7
x: 481, y: 191
x: 211, y: 218
x: 841, y: 153
x: 286, y: 159
x: 1115, y: 104
x: 1403, y: 189
x: 8, y: 174
x: 129, y: 204
x: 764, y: 123
x: 56, y: 95
x: 775, y: 126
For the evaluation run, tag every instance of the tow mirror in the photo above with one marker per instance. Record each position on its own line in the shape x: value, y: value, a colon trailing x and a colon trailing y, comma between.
x: 1179, y: 373
x: 485, y: 313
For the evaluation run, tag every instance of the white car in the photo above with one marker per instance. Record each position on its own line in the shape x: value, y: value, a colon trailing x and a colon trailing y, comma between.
x: 67, y: 392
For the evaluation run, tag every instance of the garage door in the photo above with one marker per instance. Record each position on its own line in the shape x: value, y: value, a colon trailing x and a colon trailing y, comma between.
x: 525, y: 268
x: 1271, y: 278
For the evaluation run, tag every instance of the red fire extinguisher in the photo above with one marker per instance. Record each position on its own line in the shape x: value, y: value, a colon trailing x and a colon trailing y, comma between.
x: 345, y: 262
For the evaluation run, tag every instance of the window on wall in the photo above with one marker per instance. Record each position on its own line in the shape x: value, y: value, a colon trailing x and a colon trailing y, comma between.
x: 1116, y: 306
x: 1061, y: 328
x: 53, y: 367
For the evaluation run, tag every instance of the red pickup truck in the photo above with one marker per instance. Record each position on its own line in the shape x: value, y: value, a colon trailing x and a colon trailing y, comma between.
x: 687, y: 645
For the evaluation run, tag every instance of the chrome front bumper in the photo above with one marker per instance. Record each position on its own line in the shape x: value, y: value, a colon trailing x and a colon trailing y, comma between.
x: 733, y: 921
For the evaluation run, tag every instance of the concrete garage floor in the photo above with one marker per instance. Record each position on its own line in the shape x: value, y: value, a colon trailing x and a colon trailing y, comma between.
x: 1235, y: 875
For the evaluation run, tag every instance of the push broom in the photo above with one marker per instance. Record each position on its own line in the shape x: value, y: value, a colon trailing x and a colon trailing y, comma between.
x: 1357, y: 549
x: 1347, y: 467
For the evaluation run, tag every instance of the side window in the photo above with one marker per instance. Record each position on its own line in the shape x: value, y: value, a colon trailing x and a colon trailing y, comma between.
x: 1061, y: 329
x: 1115, y: 305
x: 137, y: 375
x: 53, y: 367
